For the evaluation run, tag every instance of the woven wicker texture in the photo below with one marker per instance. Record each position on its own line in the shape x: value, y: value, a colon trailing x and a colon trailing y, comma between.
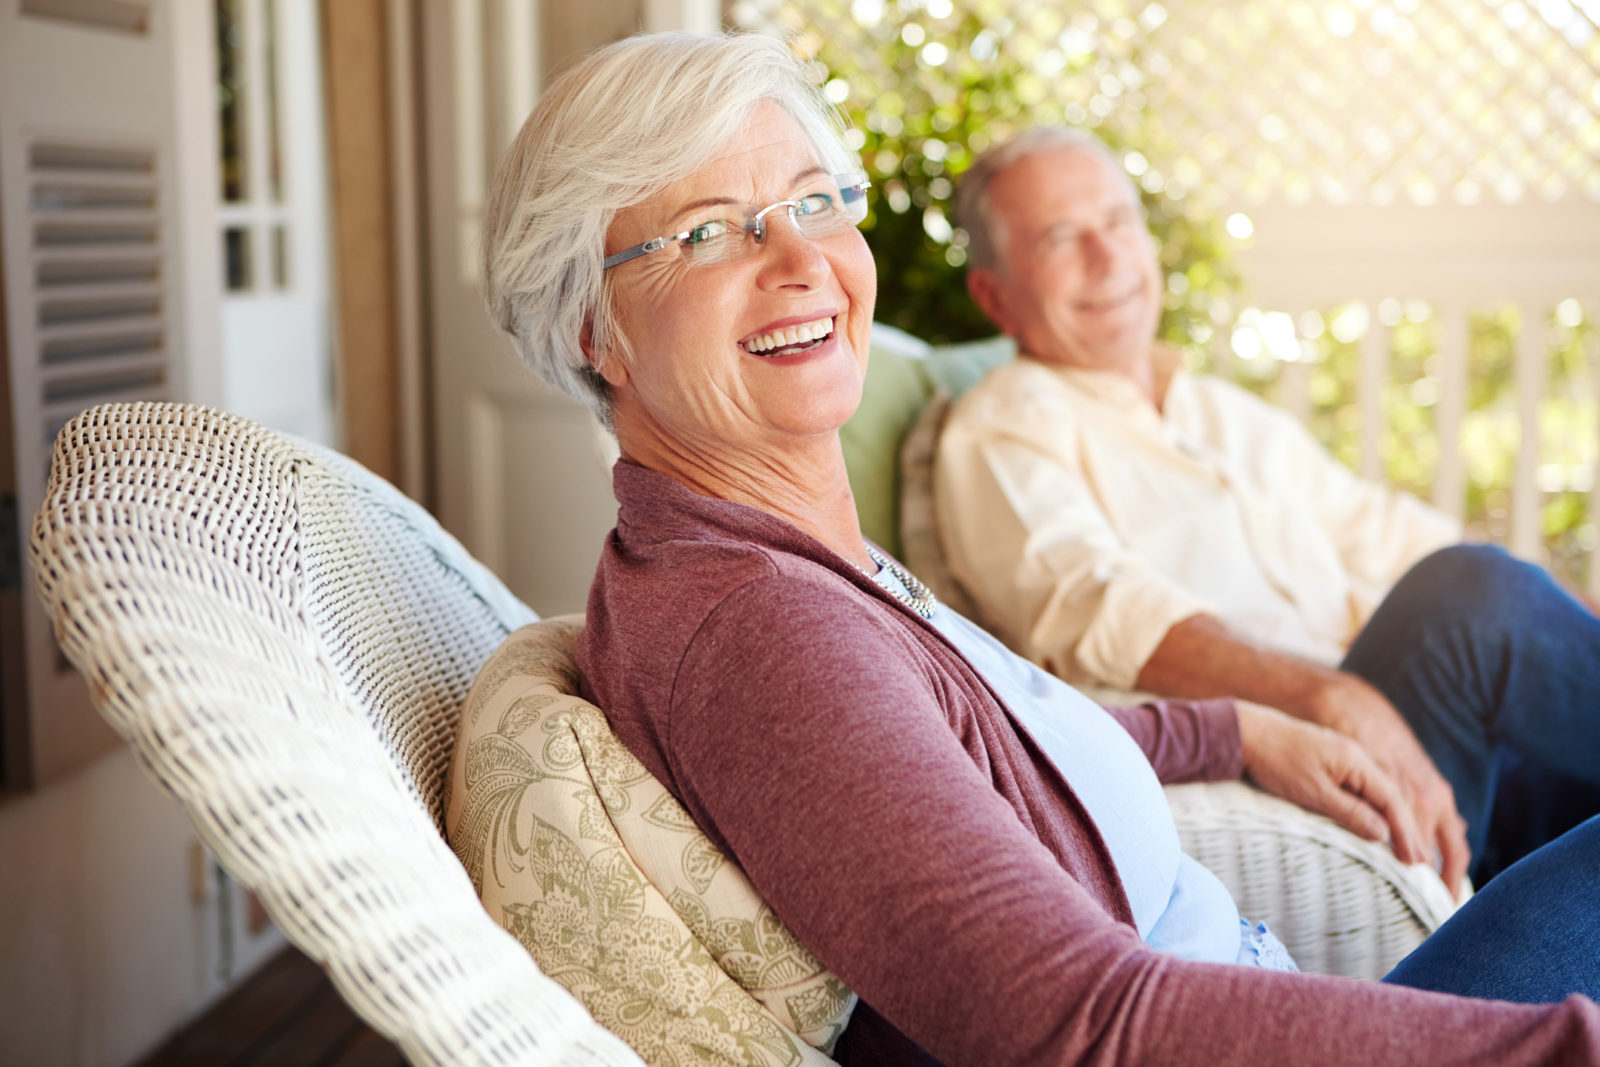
x: 1341, y: 905
x: 287, y: 642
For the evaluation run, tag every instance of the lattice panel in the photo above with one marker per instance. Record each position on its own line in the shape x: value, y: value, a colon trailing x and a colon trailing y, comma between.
x: 1293, y: 101
x: 1448, y: 100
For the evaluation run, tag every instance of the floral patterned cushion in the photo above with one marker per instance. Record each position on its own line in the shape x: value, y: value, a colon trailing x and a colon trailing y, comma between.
x: 589, y: 862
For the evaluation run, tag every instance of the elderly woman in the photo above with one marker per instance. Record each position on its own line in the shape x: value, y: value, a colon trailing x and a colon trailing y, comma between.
x: 981, y: 853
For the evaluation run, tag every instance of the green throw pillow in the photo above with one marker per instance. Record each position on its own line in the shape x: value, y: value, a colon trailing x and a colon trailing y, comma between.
x: 902, y: 375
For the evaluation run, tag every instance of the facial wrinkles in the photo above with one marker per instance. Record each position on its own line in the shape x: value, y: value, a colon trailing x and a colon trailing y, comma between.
x: 1077, y: 280
x: 704, y: 403
x: 694, y: 446
x: 704, y: 208
x: 699, y: 210
x: 660, y: 274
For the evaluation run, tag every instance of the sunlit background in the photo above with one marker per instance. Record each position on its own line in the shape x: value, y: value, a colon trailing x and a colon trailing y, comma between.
x: 1225, y: 112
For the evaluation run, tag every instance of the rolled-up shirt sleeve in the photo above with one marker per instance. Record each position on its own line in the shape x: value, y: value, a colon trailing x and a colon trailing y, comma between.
x: 1024, y: 535
x: 1380, y: 532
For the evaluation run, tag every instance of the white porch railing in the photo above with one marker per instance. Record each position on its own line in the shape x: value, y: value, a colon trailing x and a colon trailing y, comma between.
x: 1437, y: 151
x: 1456, y: 260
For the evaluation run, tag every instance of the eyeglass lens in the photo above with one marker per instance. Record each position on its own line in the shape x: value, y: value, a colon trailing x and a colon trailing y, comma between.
x: 815, y: 215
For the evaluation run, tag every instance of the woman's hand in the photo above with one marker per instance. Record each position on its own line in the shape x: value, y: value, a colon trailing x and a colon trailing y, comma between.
x: 1324, y: 771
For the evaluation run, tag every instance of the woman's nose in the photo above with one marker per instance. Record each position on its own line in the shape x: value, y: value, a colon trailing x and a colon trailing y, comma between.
x: 788, y: 256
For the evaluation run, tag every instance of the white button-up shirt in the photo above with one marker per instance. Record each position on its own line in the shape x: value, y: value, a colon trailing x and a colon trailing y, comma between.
x: 1086, y: 523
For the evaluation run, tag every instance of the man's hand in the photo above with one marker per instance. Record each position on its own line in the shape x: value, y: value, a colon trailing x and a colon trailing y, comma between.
x: 1326, y: 772
x: 1353, y: 708
x: 1202, y: 657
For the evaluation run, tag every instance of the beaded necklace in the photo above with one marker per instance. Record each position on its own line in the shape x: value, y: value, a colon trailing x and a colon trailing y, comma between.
x: 921, y: 599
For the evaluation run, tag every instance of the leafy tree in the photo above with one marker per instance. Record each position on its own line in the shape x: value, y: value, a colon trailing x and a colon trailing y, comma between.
x: 928, y: 88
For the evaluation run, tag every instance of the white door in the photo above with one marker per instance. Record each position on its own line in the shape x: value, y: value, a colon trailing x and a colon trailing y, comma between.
x: 273, y: 221
x: 519, y: 474
x: 522, y: 473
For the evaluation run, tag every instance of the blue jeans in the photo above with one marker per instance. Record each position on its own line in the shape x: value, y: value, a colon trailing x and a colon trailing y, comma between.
x: 1531, y: 935
x: 1497, y: 670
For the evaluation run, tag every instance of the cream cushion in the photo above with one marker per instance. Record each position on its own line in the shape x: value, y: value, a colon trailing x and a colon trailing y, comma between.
x: 919, y: 525
x: 593, y: 866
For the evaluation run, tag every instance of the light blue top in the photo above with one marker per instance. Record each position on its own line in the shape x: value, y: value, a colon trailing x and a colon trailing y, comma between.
x: 1178, y: 906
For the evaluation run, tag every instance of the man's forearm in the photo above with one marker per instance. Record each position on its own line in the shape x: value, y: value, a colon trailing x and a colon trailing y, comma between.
x: 1202, y: 657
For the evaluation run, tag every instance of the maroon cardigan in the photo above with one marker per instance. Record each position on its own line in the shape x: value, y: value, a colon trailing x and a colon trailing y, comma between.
x: 912, y: 835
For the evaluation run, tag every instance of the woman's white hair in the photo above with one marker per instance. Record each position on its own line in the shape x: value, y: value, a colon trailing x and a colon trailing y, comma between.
x: 628, y: 121
x: 972, y: 198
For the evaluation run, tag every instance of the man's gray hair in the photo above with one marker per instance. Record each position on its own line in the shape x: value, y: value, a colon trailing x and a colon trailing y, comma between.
x: 628, y: 121
x: 972, y: 198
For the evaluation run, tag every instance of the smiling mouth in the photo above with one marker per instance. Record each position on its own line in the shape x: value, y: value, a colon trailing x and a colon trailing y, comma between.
x: 1109, y: 303
x: 790, y: 339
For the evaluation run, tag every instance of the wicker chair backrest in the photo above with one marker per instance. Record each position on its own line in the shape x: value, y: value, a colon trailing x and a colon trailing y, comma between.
x: 286, y: 640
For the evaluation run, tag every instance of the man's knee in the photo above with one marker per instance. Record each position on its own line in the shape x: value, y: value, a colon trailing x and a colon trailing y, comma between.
x: 1473, y: 574
x: 1471, y: 593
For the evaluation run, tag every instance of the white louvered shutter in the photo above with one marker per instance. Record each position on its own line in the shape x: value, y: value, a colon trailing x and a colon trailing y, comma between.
x: 96, y: 305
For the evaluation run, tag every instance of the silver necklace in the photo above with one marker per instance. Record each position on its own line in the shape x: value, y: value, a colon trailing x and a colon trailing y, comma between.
x: 921, y: 599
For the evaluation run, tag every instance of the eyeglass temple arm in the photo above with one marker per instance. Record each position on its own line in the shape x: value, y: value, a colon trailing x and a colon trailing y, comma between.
x: 634, y: 253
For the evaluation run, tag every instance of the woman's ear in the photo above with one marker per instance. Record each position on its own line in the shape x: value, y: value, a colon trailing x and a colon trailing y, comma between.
x: 605, y: 364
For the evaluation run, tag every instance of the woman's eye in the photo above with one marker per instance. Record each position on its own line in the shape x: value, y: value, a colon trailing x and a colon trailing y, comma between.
x: 706, y: 231
x: 816, y: 204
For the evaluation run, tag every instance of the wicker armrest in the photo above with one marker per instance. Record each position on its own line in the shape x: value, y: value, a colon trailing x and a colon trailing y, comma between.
x: 1342, y: 905
x: 287, y: 641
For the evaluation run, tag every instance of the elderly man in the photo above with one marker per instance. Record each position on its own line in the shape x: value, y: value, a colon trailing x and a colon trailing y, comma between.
x: 1130, y: 525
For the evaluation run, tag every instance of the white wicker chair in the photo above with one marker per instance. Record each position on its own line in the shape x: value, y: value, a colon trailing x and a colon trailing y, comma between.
x: 287, y: 642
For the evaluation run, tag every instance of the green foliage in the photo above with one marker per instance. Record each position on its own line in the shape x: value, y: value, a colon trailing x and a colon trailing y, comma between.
x: 927, y: 92
x: 1569, y: 425
x: 1568, y: 416
x: 928, y: 84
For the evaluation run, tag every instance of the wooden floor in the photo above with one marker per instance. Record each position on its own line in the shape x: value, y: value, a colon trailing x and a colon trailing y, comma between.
x: 286, y: 1015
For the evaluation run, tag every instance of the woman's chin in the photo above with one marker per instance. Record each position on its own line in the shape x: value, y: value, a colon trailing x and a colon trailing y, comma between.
x: 827, y: 414
x: 817, y: 410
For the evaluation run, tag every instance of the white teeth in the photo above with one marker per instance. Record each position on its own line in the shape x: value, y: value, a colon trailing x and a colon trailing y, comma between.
x: 789, y: 335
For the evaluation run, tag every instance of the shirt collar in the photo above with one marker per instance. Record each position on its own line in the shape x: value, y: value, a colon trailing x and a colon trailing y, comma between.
x: 1109, y: 387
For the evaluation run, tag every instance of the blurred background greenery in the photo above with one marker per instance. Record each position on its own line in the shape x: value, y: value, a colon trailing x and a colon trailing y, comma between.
x: 927, y: 87
x: 927, y: 84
